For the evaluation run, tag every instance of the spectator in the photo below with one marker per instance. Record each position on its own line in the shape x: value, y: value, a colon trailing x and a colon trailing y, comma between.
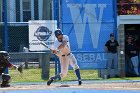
x: 111, y: 48
x: 132, y: 53
x: 138, y: 44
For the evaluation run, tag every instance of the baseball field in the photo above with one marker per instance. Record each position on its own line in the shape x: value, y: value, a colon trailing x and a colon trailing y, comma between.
x: 30, y: 81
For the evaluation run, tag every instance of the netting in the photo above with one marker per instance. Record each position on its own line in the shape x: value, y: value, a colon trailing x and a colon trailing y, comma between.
x: 14, y: 35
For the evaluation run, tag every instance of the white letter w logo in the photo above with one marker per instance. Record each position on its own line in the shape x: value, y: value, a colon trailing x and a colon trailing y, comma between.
x: 90, y: 18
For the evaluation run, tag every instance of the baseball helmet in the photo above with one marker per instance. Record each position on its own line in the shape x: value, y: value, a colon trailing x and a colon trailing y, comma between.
x: 58, y: 32
x: 112, y: 35
x: 4, y: 54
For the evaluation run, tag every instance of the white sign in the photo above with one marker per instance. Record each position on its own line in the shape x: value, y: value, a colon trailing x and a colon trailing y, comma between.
x: 41, y: 31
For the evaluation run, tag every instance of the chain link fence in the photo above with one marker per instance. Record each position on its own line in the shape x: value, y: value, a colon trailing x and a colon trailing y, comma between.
x: 14, y: 16
x: 17, y: 37
x: 34, y: 68
x: 19, y: 12
x: 17, y: 42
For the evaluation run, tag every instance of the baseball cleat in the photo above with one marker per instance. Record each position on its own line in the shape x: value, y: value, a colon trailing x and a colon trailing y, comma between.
x: 79, y: 82
x: 5, y: 85
x: 49, y: 81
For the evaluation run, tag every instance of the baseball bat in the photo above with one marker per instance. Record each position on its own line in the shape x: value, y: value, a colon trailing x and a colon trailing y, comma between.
x: 44, y: 44
x: 22, y: 64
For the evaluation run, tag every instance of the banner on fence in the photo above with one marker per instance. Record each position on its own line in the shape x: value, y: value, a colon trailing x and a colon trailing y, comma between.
x: 88, y: 23
x: 41, y: 31
x: 89, y: 60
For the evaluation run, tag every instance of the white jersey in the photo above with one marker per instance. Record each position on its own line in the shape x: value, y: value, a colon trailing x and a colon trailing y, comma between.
x: 65, y: 56
x: 66, y: 49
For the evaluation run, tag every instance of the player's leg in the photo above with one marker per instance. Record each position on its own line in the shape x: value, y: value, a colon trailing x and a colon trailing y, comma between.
x: 109, y: 64
x: 135, y: 63
x: 53, y: 78
x: 64, y: 67
x: 115, y: 58
x: 64, y: 70
x: 5, y: 80
x: 73, y: 63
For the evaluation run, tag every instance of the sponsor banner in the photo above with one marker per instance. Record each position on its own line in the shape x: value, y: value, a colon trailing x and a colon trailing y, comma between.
x: 89, y: 60
x: 41, y: 31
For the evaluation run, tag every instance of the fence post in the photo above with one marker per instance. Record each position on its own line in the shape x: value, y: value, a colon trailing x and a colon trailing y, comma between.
x: 26, y: 57
x: 45, y: 66
x: 55, y: 64
x: 40, y: 63
x: 5, y: 30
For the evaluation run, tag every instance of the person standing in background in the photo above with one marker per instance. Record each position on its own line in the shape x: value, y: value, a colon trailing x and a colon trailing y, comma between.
x: 111, y: 48
x: 132, y: 53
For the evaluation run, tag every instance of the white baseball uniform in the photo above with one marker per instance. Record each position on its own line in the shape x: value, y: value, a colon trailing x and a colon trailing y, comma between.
x: 65, y: 56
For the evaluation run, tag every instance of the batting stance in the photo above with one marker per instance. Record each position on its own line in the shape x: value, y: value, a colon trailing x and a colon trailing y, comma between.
x: 61, y: 48
x: 4, y: 63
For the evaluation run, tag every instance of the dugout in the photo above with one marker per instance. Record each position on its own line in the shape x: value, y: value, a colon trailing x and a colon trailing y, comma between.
x: 127, y: 25
x: 134, y: 31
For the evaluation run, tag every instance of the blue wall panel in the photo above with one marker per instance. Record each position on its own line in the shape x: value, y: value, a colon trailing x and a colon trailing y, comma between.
x: 88, y: 24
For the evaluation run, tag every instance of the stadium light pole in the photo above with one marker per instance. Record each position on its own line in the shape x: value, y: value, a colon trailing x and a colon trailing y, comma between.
x: 5, y: 30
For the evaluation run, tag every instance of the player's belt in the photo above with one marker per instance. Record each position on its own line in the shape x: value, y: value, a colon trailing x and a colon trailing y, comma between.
x: 66, y: 54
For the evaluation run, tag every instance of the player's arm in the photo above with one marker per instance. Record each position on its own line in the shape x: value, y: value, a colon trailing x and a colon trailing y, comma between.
x: 64, y: 42
x: 10, y: 65
x: 106, y: 47
x: 62, y: 45
x: 53, y: 51
x: 18, y: 68
x: 54, y: 48
x: 57, y: 53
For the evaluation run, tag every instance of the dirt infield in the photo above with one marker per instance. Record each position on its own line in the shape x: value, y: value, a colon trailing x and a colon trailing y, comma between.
x: 100, y: 86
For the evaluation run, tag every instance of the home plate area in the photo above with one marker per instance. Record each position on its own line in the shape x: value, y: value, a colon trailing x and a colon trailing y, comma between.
x: 73, y: 87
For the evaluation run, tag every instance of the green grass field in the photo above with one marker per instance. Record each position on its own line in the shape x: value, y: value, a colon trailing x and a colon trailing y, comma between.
x: 34, y: 75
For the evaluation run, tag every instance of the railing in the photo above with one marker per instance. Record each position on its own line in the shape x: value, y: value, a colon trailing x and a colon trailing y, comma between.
x: 128, y: 8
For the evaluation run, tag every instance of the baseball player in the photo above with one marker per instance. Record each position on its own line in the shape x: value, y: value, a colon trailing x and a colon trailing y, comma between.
x: 61, y: 48
x: 4, y: 63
